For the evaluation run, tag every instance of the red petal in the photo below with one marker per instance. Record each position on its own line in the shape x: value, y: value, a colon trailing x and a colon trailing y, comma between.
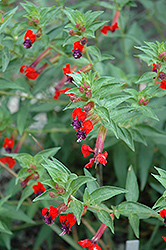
x: 105, y: 29
x: 102, y: 158
x: 62, y: 219
x: 44, y: 211
x: 87, y: 126
x: 77, y: 45
x: 164, y: 238
x: 53, y: 212
x: 163, y: 213
x: 9, y: 143
x: 86, y: 150
x: 114, y: 27
x: 85, y: 243
x: 79, y: 113
x: 22, y: 68
x: 66, y: 70
x: 89, y: 165
x: 30, y: 35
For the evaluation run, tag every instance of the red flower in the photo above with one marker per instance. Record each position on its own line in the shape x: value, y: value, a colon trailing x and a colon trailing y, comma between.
x: 8, y: 144
x: 154, y: 68
x: 66, y: 70
x: 78, y: 45
x: 77, y: 112
x: 39, y: 188
x: 58, y: 92
x: 102, y: 158
x: 163, y: 84
x: 29, y: 72
x: 114, y: 27
x: 67, y: 222
x: 86, y: 150
x: 105, y: 29
x: 29, y: 34
x: 164, y: 238
x: 163, y: 215
x: 89, y: 244
x: 49, y: 214
x: 87, y: 126
x: 9, y: 160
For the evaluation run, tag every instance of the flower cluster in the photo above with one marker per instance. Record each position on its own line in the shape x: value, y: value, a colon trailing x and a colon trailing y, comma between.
x: 82, y: 126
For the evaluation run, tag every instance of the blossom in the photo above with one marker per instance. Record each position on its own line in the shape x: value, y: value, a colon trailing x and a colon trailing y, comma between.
x: 114, y: 24
x: 98, y: 156
x: 29, y: 38
x: 77, y: 49
x: 9, y: 160
x: 29, y: 72
x: 39, y: 188
x: 49, y: 214
x: 105, y: 29
x: 58, y: 92
x: 82, y: 126
x: 67, y: 222
x: 163, y: 84
x: 143, y: 101
x: 66, y: 70
x: 154, y: 69
x: 163, y: 215
x: 8, y: 144
x: 93, y: 243
x: 89, y: 244
x: 164, y: 238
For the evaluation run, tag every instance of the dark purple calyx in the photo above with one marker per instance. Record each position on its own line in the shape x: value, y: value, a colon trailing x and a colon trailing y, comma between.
x: 77, y: 124
x: 27, y: 43
x: 48, y: 220
x: 81, y: 136
x: 77, y: 54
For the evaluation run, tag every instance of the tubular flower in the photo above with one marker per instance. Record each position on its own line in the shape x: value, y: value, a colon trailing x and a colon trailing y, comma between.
x: 164, y: 238
x: 9, y: 160
x: 39, y: 188
x: 58, y: 92
x: 29, y: 38
x: 163, y: 215
x: 67, y: 222
x: 49, y: 214
x: 113, y: 26
x: 29, y: 72
x: 77, y: 49
x: 154, y: 69
x: 82, y: 126
x: 8, y: 144
x: 92, y: 244
x: 105, y: 29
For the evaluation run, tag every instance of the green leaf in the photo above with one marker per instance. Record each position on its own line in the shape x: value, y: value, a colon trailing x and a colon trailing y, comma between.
x: 28, y: 191
x: 4, y: 228
x: 145, y: 157
x: 7, y: 18
x: 160, y: 202
x: 128, y: 207
x: 45, y: 153
x: 103, y: 113
x: 43, y: 234
x: 77, y: 183
x: 46, y: 195
x: 147, y: 111
x: 146, y: 77
x: 95, y: 51
x: 6, y: 238
x: 5, y: 58
x: 131, y: 186
x: 77, y: 209
x: 22, y: 117
x: 86, y: 196
x: 3, y: 200
x: 58, y: 165
x: 93, y: 185
x: 105, y: 218
x: 105, y: 5
x: 134, y: 222
x: 105, y: 193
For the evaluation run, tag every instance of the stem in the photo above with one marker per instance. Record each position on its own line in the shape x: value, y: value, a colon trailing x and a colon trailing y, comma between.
x: 8, y: 169
x: 57, y: 50
x: 40, y: 57
x: 19, y: 144
x: 30, y: 97
x: 40, y: 146
x: 90, y: 61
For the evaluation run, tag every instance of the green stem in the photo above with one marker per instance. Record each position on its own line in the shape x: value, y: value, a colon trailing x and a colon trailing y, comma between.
x: 57, y: 50
x: 52, y: 130
x: 90, y: 61
x: 30, y: 97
